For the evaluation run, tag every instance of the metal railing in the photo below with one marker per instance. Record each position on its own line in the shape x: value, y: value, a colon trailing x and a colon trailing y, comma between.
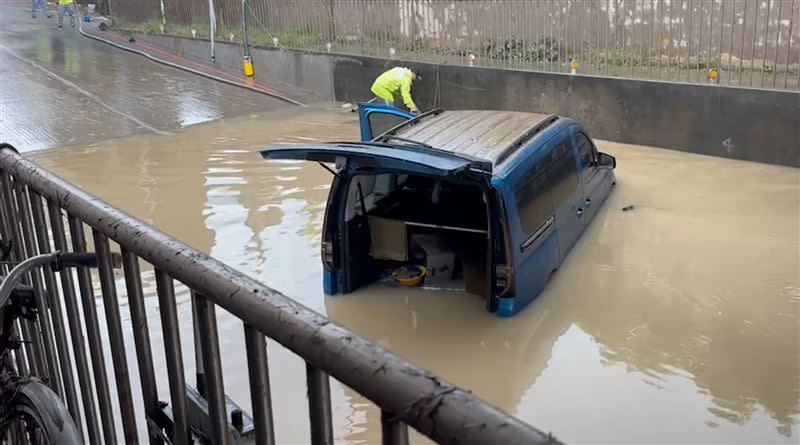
x: 753, y: 43
x: 34, y: 207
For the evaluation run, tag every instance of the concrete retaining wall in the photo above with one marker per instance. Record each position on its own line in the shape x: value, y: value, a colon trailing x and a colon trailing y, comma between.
x: 739, y: 123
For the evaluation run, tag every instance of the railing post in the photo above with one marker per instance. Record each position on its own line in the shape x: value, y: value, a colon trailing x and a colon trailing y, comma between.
x: 56, y: 313
x: 174, y: 358
x: 76, y: 333
x: 260, y: 393
x: 93, y: 333
x: 115, y: 336
x: 215, y: 389
x: 141, y: 338
x: 319, y: 406
x: 394, y: 431
x: 54, y: 380
x: 30, y: 336
x: 200, y: 375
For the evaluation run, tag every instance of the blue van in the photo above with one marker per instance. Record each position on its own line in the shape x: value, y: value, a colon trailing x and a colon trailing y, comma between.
x: 489, y: 201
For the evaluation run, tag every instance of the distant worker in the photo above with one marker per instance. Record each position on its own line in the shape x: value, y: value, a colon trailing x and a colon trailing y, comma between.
x: 393, y: 82
x: 40, y: 4
x: 66, y: 7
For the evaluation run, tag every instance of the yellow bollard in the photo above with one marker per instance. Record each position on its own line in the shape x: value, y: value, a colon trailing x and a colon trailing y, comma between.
x: 248, y: 66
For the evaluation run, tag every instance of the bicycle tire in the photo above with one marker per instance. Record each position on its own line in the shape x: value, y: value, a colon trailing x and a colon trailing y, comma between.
x: 36, y: 402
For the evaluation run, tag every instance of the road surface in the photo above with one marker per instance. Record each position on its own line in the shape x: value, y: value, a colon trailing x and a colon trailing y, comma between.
x: 59, y: 88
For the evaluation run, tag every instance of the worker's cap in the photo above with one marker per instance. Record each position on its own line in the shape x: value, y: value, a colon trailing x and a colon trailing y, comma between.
x: 417, y: 73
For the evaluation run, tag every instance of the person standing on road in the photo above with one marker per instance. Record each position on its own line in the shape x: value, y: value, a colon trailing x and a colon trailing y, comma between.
x: 40, y: 4
x: 66, y: 7
x: 396, y: 81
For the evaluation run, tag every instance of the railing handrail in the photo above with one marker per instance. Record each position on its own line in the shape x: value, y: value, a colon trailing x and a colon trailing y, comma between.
x: 434, y: 407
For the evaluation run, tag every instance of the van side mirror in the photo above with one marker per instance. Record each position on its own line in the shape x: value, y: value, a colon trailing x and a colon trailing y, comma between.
x: 606, y: 160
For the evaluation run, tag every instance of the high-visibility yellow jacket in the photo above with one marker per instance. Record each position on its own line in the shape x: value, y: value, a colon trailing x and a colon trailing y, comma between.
x: 65, y: 2
x: 388, y: 83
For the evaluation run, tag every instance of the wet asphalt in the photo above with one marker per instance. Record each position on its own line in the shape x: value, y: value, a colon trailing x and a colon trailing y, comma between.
x: 59, y: 88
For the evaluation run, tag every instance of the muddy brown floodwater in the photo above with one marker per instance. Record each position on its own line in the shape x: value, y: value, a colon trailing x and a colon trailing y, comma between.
x: 677, y: 321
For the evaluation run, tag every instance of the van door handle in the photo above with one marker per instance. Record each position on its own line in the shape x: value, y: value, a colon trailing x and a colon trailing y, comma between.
x: 579, y: 212
x: 587, y: 202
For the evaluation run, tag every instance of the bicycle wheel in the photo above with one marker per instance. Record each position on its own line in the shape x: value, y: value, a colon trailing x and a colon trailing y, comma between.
x: 36, y: 416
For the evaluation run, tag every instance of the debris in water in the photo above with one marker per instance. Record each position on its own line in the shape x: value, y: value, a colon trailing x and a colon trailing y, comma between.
x: 628, y: 207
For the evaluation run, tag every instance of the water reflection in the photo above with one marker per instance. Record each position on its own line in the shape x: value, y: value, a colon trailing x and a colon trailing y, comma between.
x: 43, y: 52
x: 677, y: 320
x: 195, y: 111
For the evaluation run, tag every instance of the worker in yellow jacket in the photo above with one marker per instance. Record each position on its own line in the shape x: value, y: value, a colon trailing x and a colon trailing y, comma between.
x: 393, y: 82
x: 66, y: 7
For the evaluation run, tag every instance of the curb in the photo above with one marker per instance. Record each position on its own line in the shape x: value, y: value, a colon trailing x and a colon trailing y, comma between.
x: 258, y: 89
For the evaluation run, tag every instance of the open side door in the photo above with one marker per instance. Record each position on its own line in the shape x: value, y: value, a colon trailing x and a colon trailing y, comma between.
x: 376, y: 119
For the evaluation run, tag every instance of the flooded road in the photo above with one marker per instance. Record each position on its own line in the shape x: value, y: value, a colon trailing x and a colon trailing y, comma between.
x: 678, y: 320
x: 675, y: 322
x: 59, y: 88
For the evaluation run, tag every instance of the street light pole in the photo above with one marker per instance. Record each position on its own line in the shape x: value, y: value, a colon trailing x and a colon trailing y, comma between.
x: 244, y: 28
x: 247, y: 65
x: 212, y: 16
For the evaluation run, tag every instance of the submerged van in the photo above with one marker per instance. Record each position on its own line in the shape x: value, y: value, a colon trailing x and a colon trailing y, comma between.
x: 490, y: 202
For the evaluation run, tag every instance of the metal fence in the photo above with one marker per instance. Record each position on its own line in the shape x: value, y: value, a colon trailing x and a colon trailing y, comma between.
x: 39, y: 211
x: 753, y: 43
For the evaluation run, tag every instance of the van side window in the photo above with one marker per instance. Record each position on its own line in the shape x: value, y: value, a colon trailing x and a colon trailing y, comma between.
x: 564, y: 174
x: 549, y: 184
x: 586, y: 150
x: 382, y: 122
x: 533, y: 201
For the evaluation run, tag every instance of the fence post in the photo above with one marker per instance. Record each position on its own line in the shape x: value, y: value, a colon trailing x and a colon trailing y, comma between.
x: 363, y: 23
x: 331, y: 22
x: 245, y: 38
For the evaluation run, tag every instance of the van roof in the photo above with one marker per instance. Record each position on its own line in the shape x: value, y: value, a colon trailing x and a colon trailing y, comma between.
x: 481, y: 134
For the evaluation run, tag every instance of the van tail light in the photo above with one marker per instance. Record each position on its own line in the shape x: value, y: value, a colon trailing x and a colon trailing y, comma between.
x: 328, y: 259
x: 504, y: 270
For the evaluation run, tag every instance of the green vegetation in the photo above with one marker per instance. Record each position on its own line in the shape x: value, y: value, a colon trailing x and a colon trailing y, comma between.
x: 544, y: 49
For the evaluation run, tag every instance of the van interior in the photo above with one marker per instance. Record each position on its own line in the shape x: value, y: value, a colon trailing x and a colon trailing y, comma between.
x: 396, y: 219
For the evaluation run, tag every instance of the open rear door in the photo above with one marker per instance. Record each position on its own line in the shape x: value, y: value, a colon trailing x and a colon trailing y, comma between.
x: 376, y: 119
x: 342, y: 237
x: 377, y: 157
